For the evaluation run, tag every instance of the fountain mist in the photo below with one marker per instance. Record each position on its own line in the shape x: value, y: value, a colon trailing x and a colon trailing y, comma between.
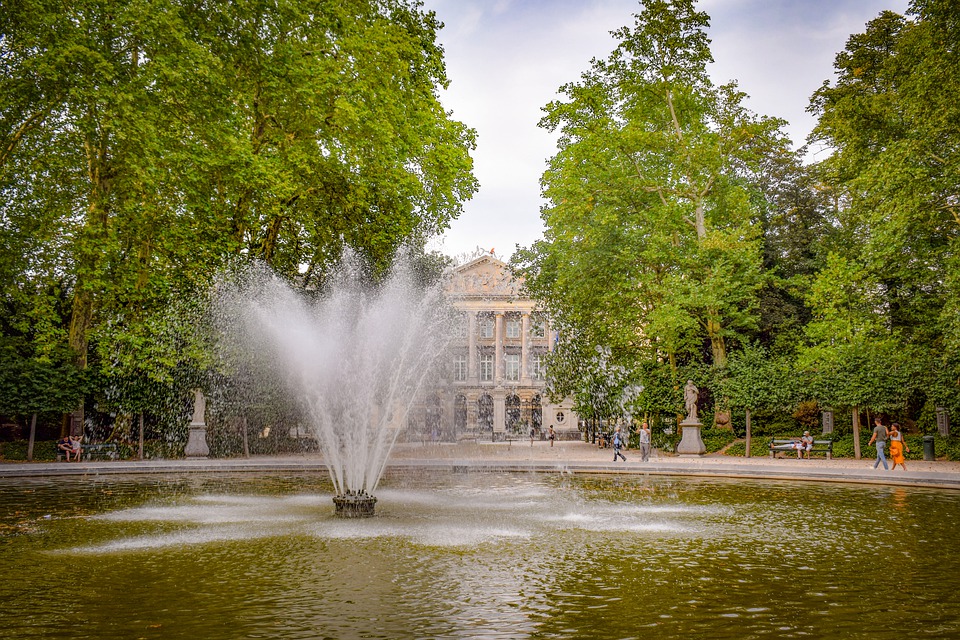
x: 355, y: 358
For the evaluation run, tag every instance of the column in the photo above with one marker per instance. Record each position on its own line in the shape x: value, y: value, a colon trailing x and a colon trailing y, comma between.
x: 498, y: 349
x: 524, y: 349
x: 499, y: 415
x: 472, y: 412
x: 472, y: 372
x: 448, y: 427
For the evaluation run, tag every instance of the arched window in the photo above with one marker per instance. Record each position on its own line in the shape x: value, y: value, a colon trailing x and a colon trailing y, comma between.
x: 514, y: 423
x: 536, y: 412
x: 460, y: 413
x: 485, y: 413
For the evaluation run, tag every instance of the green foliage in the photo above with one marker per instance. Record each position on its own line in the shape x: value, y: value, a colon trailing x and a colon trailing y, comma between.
x: 145, y: 144
x: 755, y: 380
x: 31, y: 384
x: 768, y: 423
x: 43, y: 450
x: 759, y: 447
x: 885, y: 305
x: 651, y: 248
x: 807, y: 415
x: 716, y: 439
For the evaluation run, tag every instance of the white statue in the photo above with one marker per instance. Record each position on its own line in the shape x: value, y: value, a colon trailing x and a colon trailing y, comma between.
x: 690, y: 395
x: 199, y: 407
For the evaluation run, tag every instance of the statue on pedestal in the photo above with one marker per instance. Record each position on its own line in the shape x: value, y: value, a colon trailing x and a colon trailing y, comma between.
x: 690, y: 396
x: 691, y: 442
x: 197, y: 437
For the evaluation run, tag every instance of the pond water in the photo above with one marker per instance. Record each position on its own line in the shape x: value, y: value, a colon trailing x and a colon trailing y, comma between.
x: 475, y: 555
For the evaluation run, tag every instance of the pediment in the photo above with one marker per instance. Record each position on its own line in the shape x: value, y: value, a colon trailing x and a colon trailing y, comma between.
x: 484, y: 276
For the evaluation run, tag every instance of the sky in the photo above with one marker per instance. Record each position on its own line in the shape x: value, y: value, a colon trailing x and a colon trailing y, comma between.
x: 506, y: 59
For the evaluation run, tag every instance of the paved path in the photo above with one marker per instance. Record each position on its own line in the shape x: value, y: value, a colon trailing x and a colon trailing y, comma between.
x: 564, y: 457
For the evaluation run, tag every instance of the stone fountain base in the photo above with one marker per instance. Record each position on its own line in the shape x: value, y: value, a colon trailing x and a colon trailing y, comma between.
x: 354, y: 505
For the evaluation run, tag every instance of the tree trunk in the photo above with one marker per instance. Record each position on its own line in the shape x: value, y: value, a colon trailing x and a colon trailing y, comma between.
x: 856, y: 432
x: 748, y: 432
x: 718, y: 345
x: 33, y: 437
x: 140, y: 448
x: 246, y: 440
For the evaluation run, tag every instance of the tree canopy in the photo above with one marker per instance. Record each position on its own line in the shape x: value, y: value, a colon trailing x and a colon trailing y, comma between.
x: 145, y: 144
x: 683, y: 231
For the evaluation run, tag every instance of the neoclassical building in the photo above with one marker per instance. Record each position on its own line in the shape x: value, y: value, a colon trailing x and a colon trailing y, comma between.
x: 495, y: 380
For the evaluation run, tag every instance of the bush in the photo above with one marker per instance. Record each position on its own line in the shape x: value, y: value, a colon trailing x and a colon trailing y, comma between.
x: 665, y: 441
x: 17, y: 450
x: 807, y: 415
x: 766, y: 423
x: 713, y: 439
x: 759, y: 447
x: 716, y: 439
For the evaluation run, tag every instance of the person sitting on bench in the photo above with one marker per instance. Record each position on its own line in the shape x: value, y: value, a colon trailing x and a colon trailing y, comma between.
x: 807, y: 445
x: 70, y: 445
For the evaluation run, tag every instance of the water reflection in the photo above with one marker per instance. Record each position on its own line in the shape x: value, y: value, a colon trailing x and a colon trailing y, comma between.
x: 478, y: 555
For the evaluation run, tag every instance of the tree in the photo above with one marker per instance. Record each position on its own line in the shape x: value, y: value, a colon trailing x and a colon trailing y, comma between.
x: 34, y: 384
x: 755, y: 381
x: 892, y: 119
x: 144, y: 144
x: 650, y: 244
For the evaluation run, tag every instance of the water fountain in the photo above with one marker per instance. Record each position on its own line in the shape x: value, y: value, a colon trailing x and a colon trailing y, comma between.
x: 355, y: 357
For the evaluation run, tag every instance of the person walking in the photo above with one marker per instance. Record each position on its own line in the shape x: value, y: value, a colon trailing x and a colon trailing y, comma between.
x: 897, y: 445
x: 880, y: 435
x: 617, y: 443
x: 644, y: 442
x: 551, y: 434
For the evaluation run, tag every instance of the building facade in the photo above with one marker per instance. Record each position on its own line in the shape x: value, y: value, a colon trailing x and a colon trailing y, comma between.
x: 494, y: 384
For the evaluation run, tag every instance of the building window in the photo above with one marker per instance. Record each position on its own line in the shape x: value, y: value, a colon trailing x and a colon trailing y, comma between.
x: 512, y: 363
x: 486, y: 367
x: 461, y: 329
x: 460, y: 368
x: 538, y: 367
x: 538, y: 328
x: 486, y: 326
x: 513, y: 328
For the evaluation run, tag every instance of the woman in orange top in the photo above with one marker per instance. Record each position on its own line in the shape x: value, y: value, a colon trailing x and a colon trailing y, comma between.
x: 897, y: 445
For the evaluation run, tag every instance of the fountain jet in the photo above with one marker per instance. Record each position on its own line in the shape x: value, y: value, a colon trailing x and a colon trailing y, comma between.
x: 355, y: 357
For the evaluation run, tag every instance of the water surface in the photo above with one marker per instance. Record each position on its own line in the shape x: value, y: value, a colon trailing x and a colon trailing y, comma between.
x: 475, y: 555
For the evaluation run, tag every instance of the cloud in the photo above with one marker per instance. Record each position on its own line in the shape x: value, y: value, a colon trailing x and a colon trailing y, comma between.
x: 506, y: 59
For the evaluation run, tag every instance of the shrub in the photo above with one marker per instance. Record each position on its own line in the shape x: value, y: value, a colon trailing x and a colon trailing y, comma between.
x: 807, y: 415
x: 759, y: 447
x: 17, y: 450
x: 716, y: 439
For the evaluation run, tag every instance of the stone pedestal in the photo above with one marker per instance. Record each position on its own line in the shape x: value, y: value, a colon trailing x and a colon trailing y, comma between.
x: 691, y: 442
x: 197, y: 441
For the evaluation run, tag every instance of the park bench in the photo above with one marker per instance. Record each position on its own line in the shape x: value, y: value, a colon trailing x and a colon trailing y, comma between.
x: 788, y: 444
x: 91, y: 451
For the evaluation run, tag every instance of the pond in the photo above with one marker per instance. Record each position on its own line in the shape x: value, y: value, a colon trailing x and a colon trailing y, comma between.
x: 475, y: 555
